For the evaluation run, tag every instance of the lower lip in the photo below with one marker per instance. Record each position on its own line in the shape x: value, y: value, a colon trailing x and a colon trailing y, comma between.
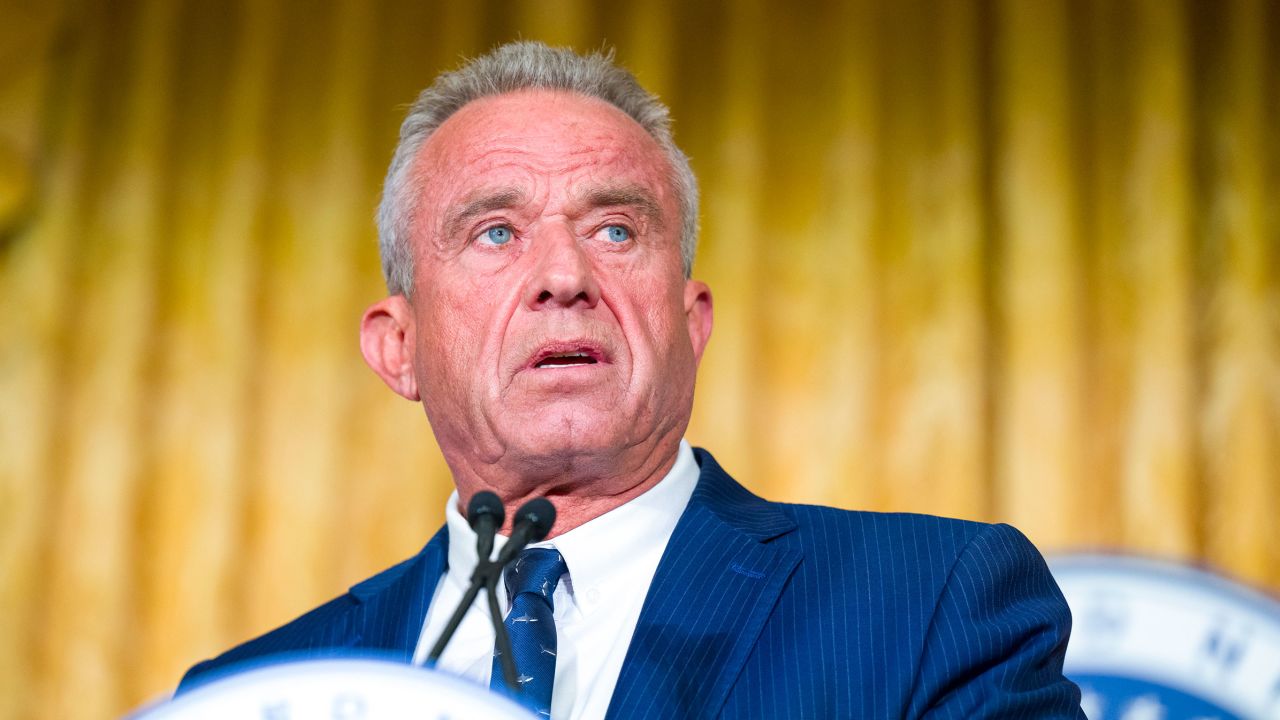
x: 565, y: 373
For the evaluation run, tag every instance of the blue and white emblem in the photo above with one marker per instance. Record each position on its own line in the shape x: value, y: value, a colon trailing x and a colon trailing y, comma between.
x: 1154, y: 640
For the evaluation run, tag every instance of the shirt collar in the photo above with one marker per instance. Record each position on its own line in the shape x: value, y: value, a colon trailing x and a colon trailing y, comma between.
x: 602, y: 549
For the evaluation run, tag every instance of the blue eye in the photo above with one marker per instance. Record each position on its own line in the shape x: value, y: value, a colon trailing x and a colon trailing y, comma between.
x: 500, y: 235
x: 617, y: 233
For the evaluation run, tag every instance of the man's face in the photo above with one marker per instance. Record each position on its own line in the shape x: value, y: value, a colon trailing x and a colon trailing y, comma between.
x: 552, y: 328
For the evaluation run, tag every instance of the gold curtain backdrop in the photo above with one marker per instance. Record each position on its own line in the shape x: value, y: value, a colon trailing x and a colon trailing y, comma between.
x: 1004, y: 260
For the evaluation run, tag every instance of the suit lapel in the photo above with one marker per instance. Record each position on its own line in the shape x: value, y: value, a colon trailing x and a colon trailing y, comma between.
x: 715, y: 587
x: 393, y: 604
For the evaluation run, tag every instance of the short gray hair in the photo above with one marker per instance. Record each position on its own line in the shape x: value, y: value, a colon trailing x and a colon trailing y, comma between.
x: 508, y: 68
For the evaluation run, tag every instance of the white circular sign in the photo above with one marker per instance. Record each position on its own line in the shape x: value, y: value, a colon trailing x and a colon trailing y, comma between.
x: 338, y: 690
x: 1154, y: 640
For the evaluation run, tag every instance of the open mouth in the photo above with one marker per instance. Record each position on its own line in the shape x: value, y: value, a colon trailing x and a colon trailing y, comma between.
x: 566, y: 355
x: 559, y: 360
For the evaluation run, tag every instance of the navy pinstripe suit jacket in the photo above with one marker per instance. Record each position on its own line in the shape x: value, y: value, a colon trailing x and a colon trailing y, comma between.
x: 765, y: 610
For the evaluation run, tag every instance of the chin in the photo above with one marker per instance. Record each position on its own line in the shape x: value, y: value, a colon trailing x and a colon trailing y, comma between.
x: 565, y: 440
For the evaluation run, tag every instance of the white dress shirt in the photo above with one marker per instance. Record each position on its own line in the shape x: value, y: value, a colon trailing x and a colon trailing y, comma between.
x: 611, y: 561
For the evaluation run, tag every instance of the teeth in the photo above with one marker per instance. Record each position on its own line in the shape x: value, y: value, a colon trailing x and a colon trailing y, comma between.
x: 566, y: 359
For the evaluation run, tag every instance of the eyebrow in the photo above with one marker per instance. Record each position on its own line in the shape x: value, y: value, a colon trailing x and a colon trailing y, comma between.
x: 630, y: 195
x: 486, y: 201
x: 480, y: 203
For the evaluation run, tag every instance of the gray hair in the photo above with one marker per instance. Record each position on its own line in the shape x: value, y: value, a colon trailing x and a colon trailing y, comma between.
x: 508, y: 68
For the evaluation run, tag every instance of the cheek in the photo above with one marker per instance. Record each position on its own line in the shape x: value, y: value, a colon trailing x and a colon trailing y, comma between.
x: 662, y: 308
x: 444, y: 339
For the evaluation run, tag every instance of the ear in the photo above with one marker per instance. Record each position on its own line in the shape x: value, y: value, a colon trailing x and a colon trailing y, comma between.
x: 698, y: 314
x: 386, y: 341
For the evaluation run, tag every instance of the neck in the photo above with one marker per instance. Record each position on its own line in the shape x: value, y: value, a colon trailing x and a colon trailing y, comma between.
x: 582, y: 488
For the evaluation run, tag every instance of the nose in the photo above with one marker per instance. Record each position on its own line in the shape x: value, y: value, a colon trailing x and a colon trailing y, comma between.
x: 563, y: 276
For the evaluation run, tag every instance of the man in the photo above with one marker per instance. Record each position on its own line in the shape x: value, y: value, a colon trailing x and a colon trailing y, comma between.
x: 537, y: 229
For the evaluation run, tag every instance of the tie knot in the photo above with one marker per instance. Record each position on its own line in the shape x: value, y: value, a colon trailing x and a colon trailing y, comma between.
x: 537, y: 571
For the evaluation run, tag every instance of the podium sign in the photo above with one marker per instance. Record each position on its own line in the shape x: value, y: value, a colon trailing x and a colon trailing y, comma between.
x: 1155, y: 639
x: 337, y: 690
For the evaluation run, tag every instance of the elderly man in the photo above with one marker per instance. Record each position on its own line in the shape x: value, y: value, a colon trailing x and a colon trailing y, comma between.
x: 537, y: 231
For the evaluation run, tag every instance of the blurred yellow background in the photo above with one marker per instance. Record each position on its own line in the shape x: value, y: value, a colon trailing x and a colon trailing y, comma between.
x: 1008, y: 260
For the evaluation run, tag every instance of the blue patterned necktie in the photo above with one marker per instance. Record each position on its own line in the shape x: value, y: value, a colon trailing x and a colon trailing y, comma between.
x: 531, y: 581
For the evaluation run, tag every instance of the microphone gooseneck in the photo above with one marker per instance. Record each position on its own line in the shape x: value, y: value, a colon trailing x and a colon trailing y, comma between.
x: 485, y: 514
x: 532, y: 523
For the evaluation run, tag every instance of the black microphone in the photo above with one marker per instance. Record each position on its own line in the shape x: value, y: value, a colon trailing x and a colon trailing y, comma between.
x: 485, y: 515
x: 532, y: 523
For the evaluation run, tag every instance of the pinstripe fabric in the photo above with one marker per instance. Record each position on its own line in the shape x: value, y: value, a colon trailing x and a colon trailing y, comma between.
x: 761, y: 609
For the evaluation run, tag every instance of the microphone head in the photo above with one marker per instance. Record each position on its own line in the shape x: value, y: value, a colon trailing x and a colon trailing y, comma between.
x: 485, y: 504
x: 540, y: 514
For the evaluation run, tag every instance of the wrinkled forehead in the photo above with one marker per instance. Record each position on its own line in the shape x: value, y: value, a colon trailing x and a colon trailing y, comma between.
x: 549, y: 140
